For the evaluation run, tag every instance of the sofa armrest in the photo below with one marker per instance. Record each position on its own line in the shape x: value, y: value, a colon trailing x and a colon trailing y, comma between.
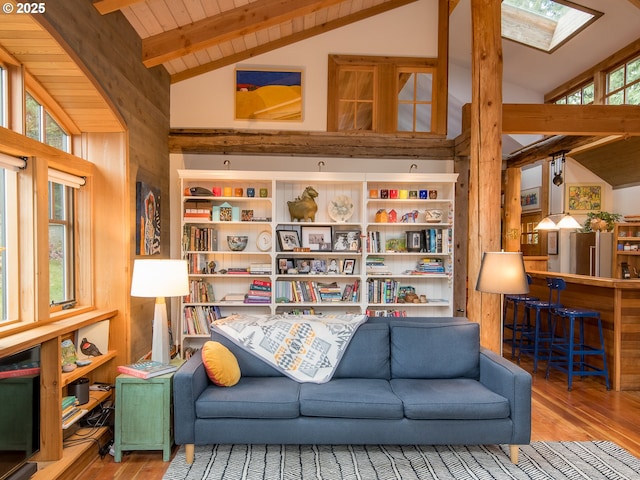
x: 188, y: 383
x: 512, y: 382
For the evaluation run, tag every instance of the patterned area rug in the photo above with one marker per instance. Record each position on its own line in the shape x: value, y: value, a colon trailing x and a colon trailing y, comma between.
x: 540, y: 460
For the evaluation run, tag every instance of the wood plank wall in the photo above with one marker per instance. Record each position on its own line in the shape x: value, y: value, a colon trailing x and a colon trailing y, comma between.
x: 109, y: 51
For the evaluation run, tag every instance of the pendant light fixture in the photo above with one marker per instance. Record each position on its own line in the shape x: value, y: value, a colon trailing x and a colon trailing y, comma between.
x: 566, y: 221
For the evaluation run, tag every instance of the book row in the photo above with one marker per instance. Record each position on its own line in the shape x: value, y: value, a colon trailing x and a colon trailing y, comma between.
x: 297, y: 291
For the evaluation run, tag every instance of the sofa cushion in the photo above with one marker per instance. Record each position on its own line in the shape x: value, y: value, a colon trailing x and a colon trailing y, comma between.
x: 250, y: 365
x: 449, y: 399
x: 426, y: 351
x: 350, y: 398
x: 251, y: 397
x: 367, y: 355
x: 221, y: 365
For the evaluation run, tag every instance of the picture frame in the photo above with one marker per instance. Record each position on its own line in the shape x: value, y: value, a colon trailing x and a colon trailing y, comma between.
x: 346, y: 240
x: 147, y: 219
x: 318, y: 265
x: 349, y: 266
x: 269, y: 94
x: 552, y: 242
x: 288, y: 240
x: 334, y: 266
x: 584, y: 197
x: 317, y: 239
x: 530, y: 199
x: 303, y: 265
x: 285, y: 264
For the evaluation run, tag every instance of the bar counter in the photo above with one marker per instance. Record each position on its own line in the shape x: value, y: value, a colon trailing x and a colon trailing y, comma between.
x: 618, y: 302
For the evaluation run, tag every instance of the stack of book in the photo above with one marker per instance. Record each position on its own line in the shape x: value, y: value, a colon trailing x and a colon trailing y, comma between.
x: 259, y: 292
x: 71, y: 413
x: 147, y: 369
x: 330, y: 292
x: 429, y: 266
x: 376, y: 266
x: 237, y: 270
x: 260, y: 268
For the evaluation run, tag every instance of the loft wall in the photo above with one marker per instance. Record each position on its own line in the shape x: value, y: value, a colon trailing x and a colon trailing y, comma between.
x: 109, y: 51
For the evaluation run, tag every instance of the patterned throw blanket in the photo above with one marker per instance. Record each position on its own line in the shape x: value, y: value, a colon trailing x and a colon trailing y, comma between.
x: 307, y: 348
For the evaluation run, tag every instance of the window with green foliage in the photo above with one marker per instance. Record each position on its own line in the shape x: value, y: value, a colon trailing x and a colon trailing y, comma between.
x: 581, y: 96
x: 41, y: 126
x: 61, y: 244
x: 623, y: 84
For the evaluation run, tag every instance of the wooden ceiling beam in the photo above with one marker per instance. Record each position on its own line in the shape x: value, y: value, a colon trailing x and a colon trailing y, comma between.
x: 225, y: 26
x: 545, y: 148
x: 288, y: 40
x: 310, y: 144
x: 552, y: 119
x: 108, y: 6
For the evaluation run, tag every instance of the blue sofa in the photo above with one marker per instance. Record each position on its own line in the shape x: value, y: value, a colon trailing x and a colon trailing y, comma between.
x: 400, y: 381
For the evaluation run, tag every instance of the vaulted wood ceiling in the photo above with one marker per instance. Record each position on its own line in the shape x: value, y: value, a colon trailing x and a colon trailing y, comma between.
x: 191, y: 37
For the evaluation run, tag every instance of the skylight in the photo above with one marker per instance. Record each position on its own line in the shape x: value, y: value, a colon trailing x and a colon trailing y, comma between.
x: 544, y: 24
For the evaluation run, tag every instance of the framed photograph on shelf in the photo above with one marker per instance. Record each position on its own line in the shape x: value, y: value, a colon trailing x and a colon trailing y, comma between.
x: 303, y: 265
x: 318, y: 265
x: 530, y: 199
x: 346, y: 241
x: 349, y: 266
x: 285, y: 264
x: 552, y: 242
x: 584, y: 197
x: 318, y: 239
x: 288, y: 240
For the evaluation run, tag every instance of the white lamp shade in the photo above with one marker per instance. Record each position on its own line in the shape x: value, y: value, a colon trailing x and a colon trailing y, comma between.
x: 502, y: 272
x: 569, y: 223
x: 160, y: 278
x: 546, y: 224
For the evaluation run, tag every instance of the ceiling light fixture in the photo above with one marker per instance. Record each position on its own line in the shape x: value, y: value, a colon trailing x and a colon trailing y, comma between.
x: 557, y: 166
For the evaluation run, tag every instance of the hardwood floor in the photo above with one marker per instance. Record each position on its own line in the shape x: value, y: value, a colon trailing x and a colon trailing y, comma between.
x: 587, y: 412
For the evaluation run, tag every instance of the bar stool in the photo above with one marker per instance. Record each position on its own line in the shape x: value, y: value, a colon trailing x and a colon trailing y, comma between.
x: 534, y: 335
x: 563, y: 350
x: 514, y: 326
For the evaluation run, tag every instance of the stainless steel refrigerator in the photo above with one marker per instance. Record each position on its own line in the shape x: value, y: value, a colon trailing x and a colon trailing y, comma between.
x: 591, y: 253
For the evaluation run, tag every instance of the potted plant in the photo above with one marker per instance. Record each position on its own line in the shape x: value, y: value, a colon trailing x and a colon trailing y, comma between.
x: 600, y: 221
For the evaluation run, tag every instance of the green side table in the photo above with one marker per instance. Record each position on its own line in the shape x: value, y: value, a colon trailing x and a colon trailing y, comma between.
x: 144, y: 411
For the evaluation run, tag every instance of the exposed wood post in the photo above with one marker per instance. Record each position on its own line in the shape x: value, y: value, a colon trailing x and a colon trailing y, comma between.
x: 486, y: 162
x: 512, y: 211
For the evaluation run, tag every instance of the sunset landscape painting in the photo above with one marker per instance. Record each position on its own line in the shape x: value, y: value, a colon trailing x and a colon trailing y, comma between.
x: 269, y: 95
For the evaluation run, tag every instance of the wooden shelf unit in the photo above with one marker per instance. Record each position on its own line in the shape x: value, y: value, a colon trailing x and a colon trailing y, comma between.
x: 271, y: 214
x: 626, y: 248
x: 55, y: 461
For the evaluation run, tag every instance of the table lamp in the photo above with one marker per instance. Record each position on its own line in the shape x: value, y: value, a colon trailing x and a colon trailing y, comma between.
x: 503, y: 273
x: 160, y: 279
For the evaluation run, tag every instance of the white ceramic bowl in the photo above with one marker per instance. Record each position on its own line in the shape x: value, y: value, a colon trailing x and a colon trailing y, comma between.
x: 237, y: 243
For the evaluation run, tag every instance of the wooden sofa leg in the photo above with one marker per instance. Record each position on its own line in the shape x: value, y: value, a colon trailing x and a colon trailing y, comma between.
x: 189, y: 452
x: 513, y: 453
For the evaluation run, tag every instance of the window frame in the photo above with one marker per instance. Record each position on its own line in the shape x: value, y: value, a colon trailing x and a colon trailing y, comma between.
x: 68, y: 225
x: 385, y: 106
x: 9, y: 264
x: 626, y: 84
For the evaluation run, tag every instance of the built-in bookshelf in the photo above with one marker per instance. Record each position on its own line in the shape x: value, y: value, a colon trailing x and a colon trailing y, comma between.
x: 368, y: 231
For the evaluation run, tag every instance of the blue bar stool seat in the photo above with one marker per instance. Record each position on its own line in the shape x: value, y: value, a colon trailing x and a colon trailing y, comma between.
x: 569, y: 353
x: 535, y: 340
x: 513, y: 324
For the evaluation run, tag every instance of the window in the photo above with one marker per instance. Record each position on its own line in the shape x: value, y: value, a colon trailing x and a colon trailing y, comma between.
x: 41, y: 126
x: 544, y: 24
x: 3, y: 97
x: 355, y: 99
x: 383, y: 95
x: 8, y: 245
x: 61, y: 244
x: 623, y: 84
x: 415, y: 101
x: 581, y: 96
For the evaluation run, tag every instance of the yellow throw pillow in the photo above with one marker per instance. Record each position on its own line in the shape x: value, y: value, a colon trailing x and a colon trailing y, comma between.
x: 221, y: 365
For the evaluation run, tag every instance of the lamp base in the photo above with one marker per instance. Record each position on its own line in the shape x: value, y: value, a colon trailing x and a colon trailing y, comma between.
x: 160, y: 338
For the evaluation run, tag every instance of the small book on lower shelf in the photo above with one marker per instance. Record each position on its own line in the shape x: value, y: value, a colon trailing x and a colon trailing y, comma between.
x: 147, y: 369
